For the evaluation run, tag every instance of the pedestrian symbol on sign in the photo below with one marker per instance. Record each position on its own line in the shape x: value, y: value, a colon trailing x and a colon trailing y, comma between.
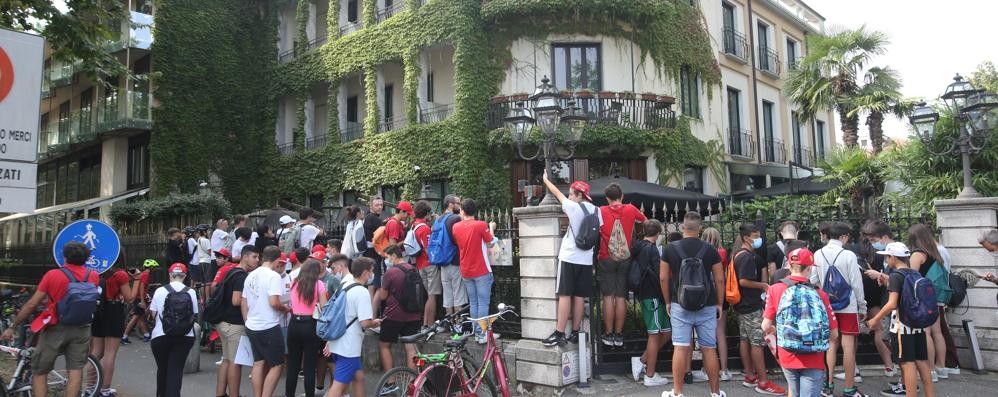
x: 100, y: 238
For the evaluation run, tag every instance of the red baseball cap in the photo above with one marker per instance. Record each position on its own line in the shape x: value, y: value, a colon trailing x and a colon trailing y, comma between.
x: 801, y: 256
x: 293, y: 257
x: 224, y: 252
x: 583, y: 188
x: 320, y: 255
x: 178, y: 268
x: 404, y: 206
x: 284, y: 258
x: 318, y: 247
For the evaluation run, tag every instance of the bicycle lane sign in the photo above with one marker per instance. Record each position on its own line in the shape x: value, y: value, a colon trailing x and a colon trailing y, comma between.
x: 98, y: 236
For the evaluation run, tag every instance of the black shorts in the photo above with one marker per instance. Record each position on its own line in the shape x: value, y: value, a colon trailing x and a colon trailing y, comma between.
x: 906, y: 348
x: 574, y: 280
x: 138, y: 310
x: 392, y: 330
x: 109, y: 320
x: 267, y: 345
x: 197, y: 272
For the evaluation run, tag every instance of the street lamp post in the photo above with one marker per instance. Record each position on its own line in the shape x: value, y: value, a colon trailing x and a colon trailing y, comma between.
x: 547, y: 114
x: 976, y: 113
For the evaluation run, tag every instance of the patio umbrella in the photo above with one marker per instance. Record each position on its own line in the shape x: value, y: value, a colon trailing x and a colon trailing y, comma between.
x: 654, y: 198
x: 808, y: 185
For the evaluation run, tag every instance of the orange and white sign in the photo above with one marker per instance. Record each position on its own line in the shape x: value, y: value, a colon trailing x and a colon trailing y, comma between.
x: 20, y: 98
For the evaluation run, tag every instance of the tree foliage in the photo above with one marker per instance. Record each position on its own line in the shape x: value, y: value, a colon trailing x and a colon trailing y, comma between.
x: 879, y: 95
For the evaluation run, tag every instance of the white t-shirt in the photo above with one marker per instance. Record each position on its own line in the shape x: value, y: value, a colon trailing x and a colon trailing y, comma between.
x: 192, y: 248
x: 218, y: 239
x: 294, y: 273
x: 359, y: 307
x: 569, y: 252
x: 260, y: 285
x: 253, y: 237
x: 307, y: 236
x: 204, y: 251
x: 237, y: 248
x: 159, y: 299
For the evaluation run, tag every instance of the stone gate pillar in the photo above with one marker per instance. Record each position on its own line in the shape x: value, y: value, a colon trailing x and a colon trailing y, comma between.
x: 537, y: 366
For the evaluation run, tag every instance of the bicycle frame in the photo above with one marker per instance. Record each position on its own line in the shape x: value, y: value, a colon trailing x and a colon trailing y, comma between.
x: 23, y: 359
x: 492, y: 358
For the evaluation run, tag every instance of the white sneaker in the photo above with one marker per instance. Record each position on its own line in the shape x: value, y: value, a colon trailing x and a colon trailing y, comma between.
x: 726, y: 375
x: 891, y: 372
x: 637, y: 367
x: 842, y: 376
x: 670, y: 393
x: 219, y: 362
x: 935, y: 376
x: 942, y: 373
x: 721, y: 394
x: 657, y: 380
x: 953, y: 371
x: 700, y: 376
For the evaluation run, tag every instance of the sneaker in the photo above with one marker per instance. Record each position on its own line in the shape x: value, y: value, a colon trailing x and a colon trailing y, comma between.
x: 688, y: 378
x: 891, y: 372
x: 935, y: 377
x: 750, y: 381
x: 853, y: 393
x: 607, y: 340
x: 657, y: 380
x: 726, y: 375
x: 109, y: 393
x: 219, y: 362
x: 388, y: 389
x: 557, y: 338
x: 894, y: 390
x: 941, y: 373
x: 146, y: 338
x: 671, y: 393
x: 952, y: 371
x: 573, y: 337
x: 125, y: 340
x: 700, y: 376
x: 842, y: 376
x: 637, y: 367
x: 619, y: 340
x: 770, y: 388
x: 376, y: 330
x: 457, y: 329
x: 828, y: 390
x: 720, y: 394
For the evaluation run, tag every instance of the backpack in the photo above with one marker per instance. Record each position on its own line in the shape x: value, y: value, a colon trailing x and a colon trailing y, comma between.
x: 588, y: 235
x: 77, y: 307
x: 917, y: 307
x: 214, y: 309
x: 801, y: 319
x: 940, y: 280
x: 411, y: 245
x: 836, y: 286
x: 441, y: 248
x: 732, y: 294
x: 178, y: 312
x: 413, y: 294
x: 637, y: 271
x: 289, y: 239
x: 332, y: 322
x: 695, y: 285
x: 959, y: 286
x: 617, y: 244
x: 380, y: 238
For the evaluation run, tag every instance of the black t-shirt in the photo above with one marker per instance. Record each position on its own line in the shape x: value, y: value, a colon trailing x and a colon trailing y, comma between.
x: 929, y: 260
x: 691, y: 245
x: 747, y: 267
x: 646, y: 255
x: 451, y: 221
x: 236, y: 278
x: 873, y: 291
x: 372, y: 222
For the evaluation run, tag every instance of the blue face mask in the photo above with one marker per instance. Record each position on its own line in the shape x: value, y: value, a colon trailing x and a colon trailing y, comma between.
x: 757, y: 243
x: 879, y: 246
x: 370, y: 280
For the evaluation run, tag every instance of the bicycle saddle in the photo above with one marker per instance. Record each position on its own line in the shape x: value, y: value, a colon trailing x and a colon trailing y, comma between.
x: 457, y: 343
x: 410, y: 338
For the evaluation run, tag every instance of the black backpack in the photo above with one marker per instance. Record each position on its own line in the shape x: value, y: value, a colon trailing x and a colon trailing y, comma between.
x: 178, y: 312
x: 959, y: 286
x: 413, y: 295
x: 214, y: 309
x: 695, y: 285
x: 588, y: 235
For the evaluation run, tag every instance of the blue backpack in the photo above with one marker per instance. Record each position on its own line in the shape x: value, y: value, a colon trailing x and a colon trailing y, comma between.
x: 917, y: 308
x: 332, y: 322
x: 836, y: 286
x: 441, y: 249
x: 78, y: 306
x: 801, y: 319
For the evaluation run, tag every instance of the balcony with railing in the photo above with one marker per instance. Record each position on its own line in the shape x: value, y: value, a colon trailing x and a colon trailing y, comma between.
x: 350, y: 27
x: 134, y: 114
x: 735, y: 45
x: 741, y: 142
x: 392, y: 124
x: 775, y: 151
x: 47, y: 91
x: 435, y: 113
x: 81, y: 126
x: 390, y: 11
x: 352, y: 132
x: 286, y: 149
x: 769, y: 61
x: 803, y: 156
x: 316, y: 142
x: 136, y: 33
x: 624, y: 109
x: 62, y: 74
x: 298, y: 49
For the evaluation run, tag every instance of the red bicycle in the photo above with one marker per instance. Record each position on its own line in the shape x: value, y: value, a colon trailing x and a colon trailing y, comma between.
x: 448, y: 379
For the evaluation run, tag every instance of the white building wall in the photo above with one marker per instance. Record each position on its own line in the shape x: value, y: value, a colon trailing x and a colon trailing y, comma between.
x: 441, y: 62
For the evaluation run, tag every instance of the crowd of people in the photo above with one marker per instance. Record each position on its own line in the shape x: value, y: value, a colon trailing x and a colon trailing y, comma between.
x: 287, y: 297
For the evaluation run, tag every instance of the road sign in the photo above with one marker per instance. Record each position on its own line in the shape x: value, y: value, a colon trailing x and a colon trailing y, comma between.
x: 20, y: 97
x: 102, y: 240
x: 17, y: 186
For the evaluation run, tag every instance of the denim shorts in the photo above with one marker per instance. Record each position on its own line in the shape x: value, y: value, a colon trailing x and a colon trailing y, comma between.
x: 704, y: 321
x: 804, y: 382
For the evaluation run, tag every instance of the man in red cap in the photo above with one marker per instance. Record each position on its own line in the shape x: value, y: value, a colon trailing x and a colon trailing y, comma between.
x: 575, y: 265
x: 796, y: 314
x: 395, y: 226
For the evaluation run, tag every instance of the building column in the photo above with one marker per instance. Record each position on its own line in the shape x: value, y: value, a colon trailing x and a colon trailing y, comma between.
x: 310, y: 32
x: 424, y: 70
x: 962, y: 222
x: 380, y: 93
x: 341, y: 105
x: 113, y: 171
x: 538, y: 367
x: 309, y: 117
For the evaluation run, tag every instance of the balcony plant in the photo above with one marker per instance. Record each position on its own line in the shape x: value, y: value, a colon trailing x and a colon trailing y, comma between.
x: 606, y: 95
x: 584, y: 93
x: 648, y: 96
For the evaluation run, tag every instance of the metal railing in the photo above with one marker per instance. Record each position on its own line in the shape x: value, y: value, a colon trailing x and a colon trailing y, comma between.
x: 775, y: 151
x: 769, y: 61
x: 741, y: 142
x: 803, y: 156
x: 352, y: 132
x: 435, y: 113
x: 286, y: 149
x: 735, y: 44
x: 388, y: 12
x: 392, y: 124
x: 316, y: 142
x: 625, y: 109
x: 288, y: 55
x: 350, y: 27
x: 62, y: 74
x: 316, y: 42
x: 792, y: 63
x: 135, y: 114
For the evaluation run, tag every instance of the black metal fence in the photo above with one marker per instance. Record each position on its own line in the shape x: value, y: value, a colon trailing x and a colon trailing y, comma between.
x: 506, y: 287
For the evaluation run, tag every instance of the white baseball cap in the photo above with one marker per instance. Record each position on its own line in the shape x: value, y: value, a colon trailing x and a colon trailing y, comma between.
x: 896, y: 249
x: 286, y: 220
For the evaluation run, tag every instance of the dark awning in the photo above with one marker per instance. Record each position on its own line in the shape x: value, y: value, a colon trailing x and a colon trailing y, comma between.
x: 652, y: 197
x: 809, y: 185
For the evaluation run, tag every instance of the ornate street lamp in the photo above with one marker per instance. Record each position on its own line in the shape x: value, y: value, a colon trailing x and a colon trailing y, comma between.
x: 547, y: 114
x: 976, y: 112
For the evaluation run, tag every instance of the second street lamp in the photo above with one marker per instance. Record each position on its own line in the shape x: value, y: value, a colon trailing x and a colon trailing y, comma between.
x: 547, y: 114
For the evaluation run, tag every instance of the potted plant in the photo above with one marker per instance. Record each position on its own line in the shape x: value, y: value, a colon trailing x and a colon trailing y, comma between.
x: 584, y: 94
x: 627, y: 95
x: 647, y: 96
x: 606, y: 95
x: 667, y: 99
x: 500, y: 99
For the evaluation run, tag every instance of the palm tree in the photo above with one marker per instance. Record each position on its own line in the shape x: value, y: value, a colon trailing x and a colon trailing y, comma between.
x: 857, y: 173
x: 880, y: 95
x: 827, y: 77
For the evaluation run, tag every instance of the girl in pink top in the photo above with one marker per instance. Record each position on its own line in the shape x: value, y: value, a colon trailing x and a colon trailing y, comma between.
x: 307, y: 292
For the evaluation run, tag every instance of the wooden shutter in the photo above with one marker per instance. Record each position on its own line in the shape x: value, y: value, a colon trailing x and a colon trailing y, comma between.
x: 580, y: 170
x: 638, y: 169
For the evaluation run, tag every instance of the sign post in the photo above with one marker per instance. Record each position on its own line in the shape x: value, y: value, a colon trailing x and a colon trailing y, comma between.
x: 20, y: 99
x: 100, y: 238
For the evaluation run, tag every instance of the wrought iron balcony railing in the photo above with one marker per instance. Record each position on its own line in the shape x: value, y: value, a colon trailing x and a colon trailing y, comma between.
x: 625, y: 109
x: 775, y: 151
x: 735, y: 44
x: 769, y: 62
x: 741, y: 143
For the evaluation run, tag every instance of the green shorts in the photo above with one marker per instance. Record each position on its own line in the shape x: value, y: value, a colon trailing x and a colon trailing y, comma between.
x: 61, y: 340
x: 750, y: 328
x: 655, y: 316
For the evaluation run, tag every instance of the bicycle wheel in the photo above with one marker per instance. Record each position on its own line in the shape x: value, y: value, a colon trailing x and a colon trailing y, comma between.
x: 488, y: 386
x: 395, y: 382
x: 437, y: 380
x: 93, y: 375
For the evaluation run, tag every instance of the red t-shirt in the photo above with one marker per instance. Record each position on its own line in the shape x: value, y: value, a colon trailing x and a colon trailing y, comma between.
x: 394, y: 230
x: 423, y: 237
x: 394, y: 282
x: 723, y: 253
x: 628, y: 215
x: 792, y: 360
x: 220, y: 275
x: 470, y: 237
x: 113, y: 283
x: 54, y: 284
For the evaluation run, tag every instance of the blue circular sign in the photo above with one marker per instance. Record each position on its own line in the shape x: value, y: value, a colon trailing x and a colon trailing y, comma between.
x: 100, y: 238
